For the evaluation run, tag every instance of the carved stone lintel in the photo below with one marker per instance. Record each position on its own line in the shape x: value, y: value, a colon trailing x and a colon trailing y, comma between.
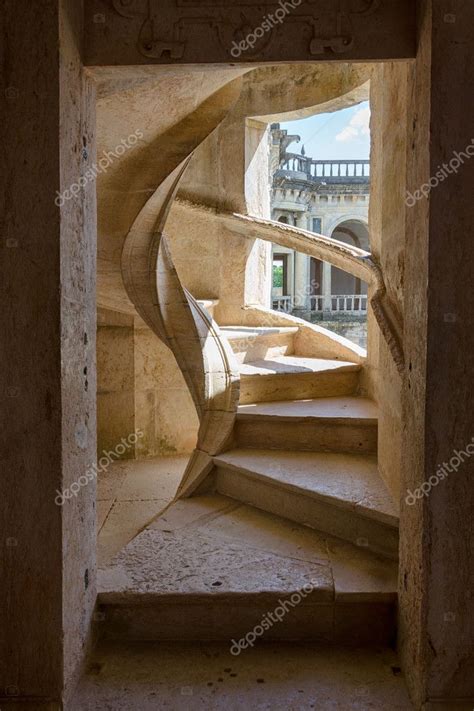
x: 141, y: 32
x: 169, y: 27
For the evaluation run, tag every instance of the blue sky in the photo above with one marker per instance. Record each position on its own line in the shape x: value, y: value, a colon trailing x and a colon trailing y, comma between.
x: 342, y: 134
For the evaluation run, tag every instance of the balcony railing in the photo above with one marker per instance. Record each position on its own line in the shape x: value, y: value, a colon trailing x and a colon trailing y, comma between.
x: 327, y: 171
x: 340, y: 303
x: 283, y: 303
x: 355, y: 304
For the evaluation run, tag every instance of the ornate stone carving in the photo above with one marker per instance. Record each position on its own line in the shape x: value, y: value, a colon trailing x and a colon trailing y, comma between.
x: 343, y: 38
x: 175, y: 28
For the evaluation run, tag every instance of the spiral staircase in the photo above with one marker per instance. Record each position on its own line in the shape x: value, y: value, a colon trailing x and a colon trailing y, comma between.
x: 293, y: 499
x: 282, y: 490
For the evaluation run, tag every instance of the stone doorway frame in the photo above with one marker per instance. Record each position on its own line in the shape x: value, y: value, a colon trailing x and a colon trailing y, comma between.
x: 436, y: 620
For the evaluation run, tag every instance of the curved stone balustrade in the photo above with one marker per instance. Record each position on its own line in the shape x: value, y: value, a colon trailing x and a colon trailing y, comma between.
x: 153, y: 285
x: 204, y: 358
x: 350, y: 259
x: 353, y: 260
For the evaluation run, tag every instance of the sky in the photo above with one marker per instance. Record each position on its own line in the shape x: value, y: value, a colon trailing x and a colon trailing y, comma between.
x: 342, y: 134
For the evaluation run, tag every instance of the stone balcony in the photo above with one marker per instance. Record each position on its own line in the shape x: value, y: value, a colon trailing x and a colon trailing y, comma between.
x: 350, y: 304
x: 325, y: 172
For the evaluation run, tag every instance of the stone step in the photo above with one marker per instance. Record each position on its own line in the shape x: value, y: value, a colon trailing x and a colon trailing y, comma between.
x: 296, y: 378
x: 255, y: 343
x: 209, y: 568
x: 335, y: 424
x: 340, y: 494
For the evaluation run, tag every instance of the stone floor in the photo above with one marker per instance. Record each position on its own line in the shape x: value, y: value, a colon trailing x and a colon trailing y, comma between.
x: 218, y: 539
x: 222, y: 545
x: 210, y: 568
x: 130, y: 495
x: 286, y: 677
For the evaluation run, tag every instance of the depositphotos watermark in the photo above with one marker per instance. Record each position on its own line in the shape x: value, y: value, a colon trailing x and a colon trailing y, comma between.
x: 271, y: 618
x: 101, y: 166
x: 268, y: 23
x: 104, y: 462
x: 443, y: 472
x: 443, y: 172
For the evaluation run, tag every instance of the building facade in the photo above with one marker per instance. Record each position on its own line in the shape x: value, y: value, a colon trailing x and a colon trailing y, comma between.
x: 328, y: 197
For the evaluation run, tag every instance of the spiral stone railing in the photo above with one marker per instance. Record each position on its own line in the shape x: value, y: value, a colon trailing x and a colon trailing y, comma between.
x: 353, y: 260
x: 154, y: 287
x: 204, y: 358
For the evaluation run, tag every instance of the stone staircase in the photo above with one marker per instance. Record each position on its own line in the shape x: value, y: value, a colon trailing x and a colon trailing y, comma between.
x: 271, y: 371
x: 340, y: 495
x: 296, y: 500
x: 305, y: 444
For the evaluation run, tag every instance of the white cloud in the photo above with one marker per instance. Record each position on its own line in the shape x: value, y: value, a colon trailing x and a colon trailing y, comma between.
x: 358, y: 126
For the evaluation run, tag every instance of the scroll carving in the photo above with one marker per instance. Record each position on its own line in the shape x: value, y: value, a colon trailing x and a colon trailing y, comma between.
x: 173, y: 27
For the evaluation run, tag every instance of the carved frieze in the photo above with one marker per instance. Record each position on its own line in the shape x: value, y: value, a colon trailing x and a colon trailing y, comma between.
x: 176, y: 29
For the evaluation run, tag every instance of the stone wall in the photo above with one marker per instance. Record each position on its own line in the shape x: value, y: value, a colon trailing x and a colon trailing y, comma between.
x: 115, y: 381
x: 164, y: 410
x: 387, y: 236
x: 436, y: 561
x: 140, y: 387
x: 48, y: 427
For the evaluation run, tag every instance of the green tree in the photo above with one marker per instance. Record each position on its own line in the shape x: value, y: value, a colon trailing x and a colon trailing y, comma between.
x: 277, y: 276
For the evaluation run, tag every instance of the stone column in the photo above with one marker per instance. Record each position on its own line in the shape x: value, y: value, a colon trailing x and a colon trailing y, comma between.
x: 436, y: 560
x: 302, y: 274
x: 48, y: 382
x: 327, y: 287
x: 291, y: 275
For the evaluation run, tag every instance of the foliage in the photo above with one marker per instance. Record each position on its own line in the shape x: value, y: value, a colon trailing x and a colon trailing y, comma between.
x: 277, y: 276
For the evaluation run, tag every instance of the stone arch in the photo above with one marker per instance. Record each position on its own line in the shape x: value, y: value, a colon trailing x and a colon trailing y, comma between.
x: 351, y: 222
x: 354, y: 231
